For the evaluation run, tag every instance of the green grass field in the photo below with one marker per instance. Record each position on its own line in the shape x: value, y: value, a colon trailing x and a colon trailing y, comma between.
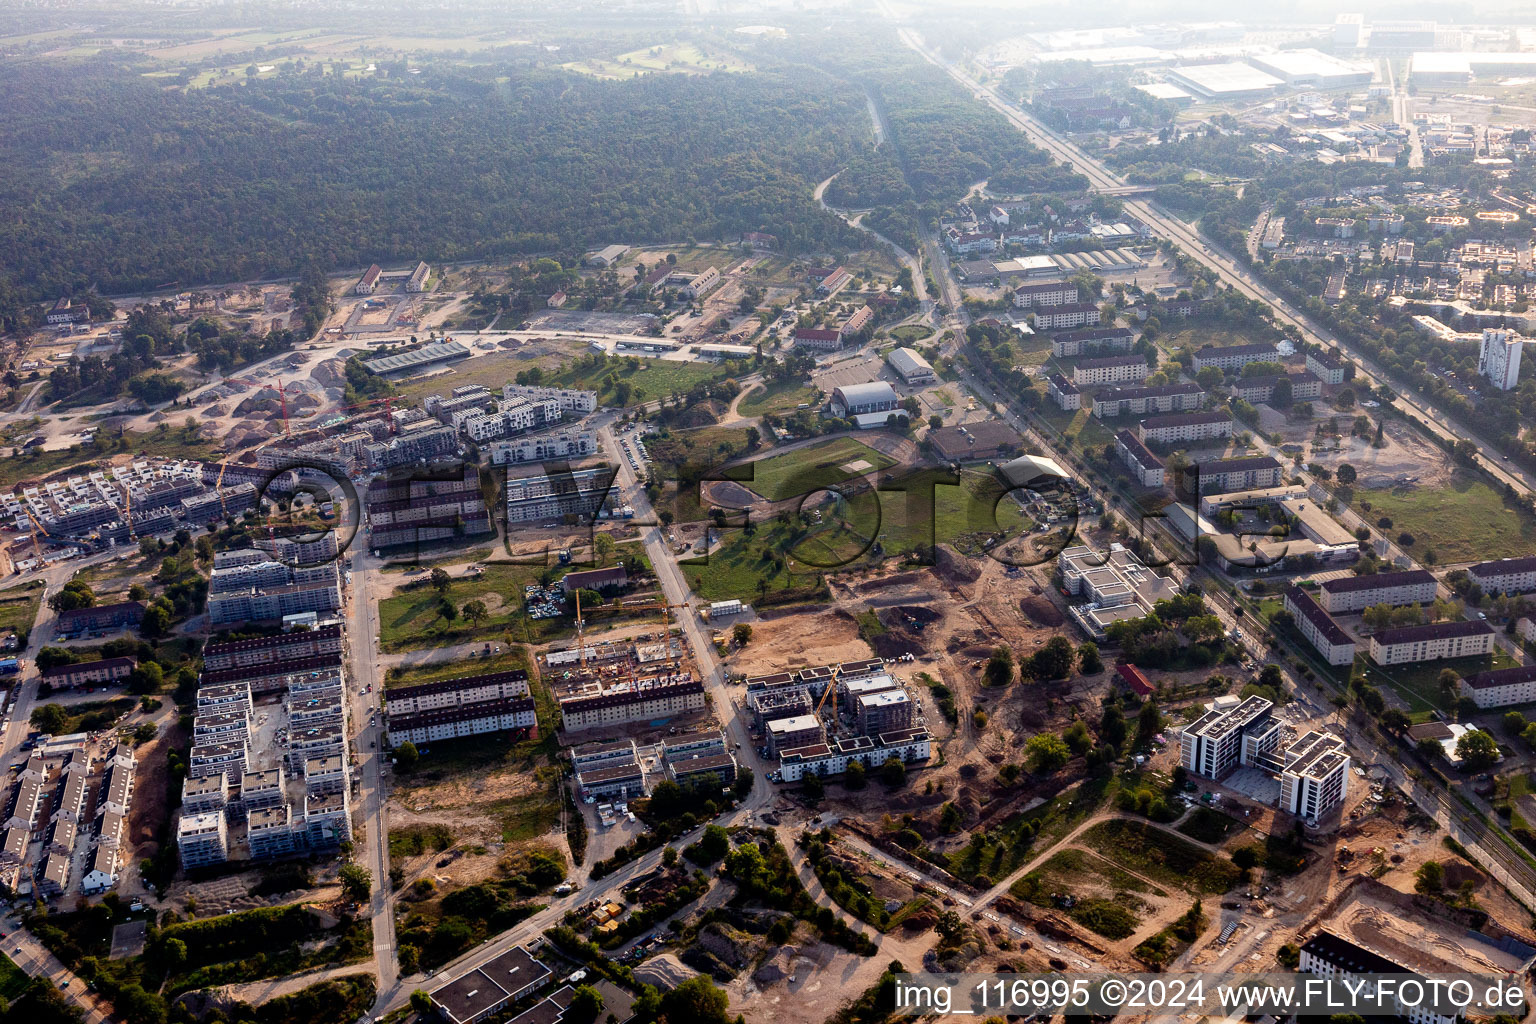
x: 13, y: 980
x: 830, y: 462
x: 1079, y: 427
x: 410, y: 675
x: 1419, y: 684
x: 653, y: 379
x: 751, y: 567
x: 1466, y: 521
x: 676, y: 58
x: 1161, y: 856
x: 782, y: 396
x: 18, y: 609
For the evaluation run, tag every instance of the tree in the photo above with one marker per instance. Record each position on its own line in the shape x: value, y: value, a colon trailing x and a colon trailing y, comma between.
x: 421, y: 1002
x: 1477, y: 749
x: 356, y: 882
x: 712, y: 845
x: 74, y: 594
x: 174, y: 952
x: 441, y: 581
x: 156, y: 621
x: 147, y: 677
x: 406, y: 755
x: 893, y: 772
x: 1046, y: 752
x: 695, y: 1001
x: 812, y: 787
x: 741, y: 634
x: 1088, y: 660
x: 1396, y: 721
x: 586, y: 1003
x: 1430, y: 878
x: 1288, y: 956
x: 1346, y: 474
x: 853, y: 775
x: 999, y: 670
x: 475, y: 612
x: 1054, y: 660
x: 50, y: 719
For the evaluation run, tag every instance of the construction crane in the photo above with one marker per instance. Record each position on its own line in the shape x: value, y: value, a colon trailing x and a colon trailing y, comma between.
x: 830, y: 691
x: 282, y: 395
x: 388, y: 402
x: 37, y: 546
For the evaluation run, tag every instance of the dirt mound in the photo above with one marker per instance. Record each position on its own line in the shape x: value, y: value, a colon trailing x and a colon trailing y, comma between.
x: 955, y: 567
x: 917, y: 613
x: 898, y: 580
x: 1042, y: 611
x: 705, y: 414
x: 331, y: 373
x: 978, y: 651
x: 728, y: 494
x: 666, y: 972
x: 897, y: 642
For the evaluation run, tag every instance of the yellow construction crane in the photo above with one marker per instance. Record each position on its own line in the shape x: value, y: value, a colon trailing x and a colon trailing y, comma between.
x: 37, y: 546
x: 830, y: 691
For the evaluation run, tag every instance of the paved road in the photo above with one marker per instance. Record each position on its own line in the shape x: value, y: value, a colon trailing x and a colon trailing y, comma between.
x: 362, y: 632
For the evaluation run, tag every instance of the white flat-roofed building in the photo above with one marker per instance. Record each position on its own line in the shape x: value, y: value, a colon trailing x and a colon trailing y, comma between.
x: 1498, y: 358
x: 908, y: 746
x: 1346, y: 594
x: 1185, y: 427
x: 1347, y: 963
x: 201, y: 840
x: 454, y: 722
x: 1314, y: 69
x: 1506, y: 575
x: 1229, y: 81
x: 1109, y: 370
x: 569, y: 400
x: 1432, y: 642
x: 648, y: 701
x: 1314, y: 623
x: 604, y: 754
x: 1228, y: 735
x: 1501, y: 687
x: 1315, y: 779
x: 270, y: 832
x: 793, y: 733
x: 620, y: 780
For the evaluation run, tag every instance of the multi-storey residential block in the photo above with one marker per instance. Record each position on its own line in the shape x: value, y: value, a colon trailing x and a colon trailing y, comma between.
x: 202, y: 840
x: 1063, y: 392
x: 1345, y: 594
x: 1314, y: 623
x: 1230, y: 734
x: 1234, y: 357
x: 1243, y: 474
x: 1329, y: 365
x: 1140, y: 401
x: 1500, y: 687
x: 1145, y: 468
x: 619, y: 706
x: 1095, y: 341
x: 1305, y: 386
x: 1432, y: 642
x: 1315, y: 778
x: 1185, y: 427
x: 1506, y: 575
x: 1109, y: 370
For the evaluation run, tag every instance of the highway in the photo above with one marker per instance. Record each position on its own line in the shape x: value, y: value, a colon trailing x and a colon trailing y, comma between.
x: 1223, y: 265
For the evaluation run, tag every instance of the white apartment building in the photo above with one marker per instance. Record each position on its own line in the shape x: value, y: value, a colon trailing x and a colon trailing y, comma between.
x: 1433, y: 642
x: 1315, y: 779
x: 1229, y: 734
x: 1049, y: 293
x: 1339, y: 959
x: 1142, y: 401
x: 1185, y: 427
x: 1357, y: 593
x: 201, y: 840
x: 1501, y: 687
x: 1145, y: 468
x: 1110, y: 370
x: 1245, y: 474
x: 1329, y: 365
x: 1313, y: 622
x: 564, y: 444
x: 1063, y: 392
x: 1506, y: 575
x: 1498, y: 359
x: 1233, y: 357
x: 1096, y: 340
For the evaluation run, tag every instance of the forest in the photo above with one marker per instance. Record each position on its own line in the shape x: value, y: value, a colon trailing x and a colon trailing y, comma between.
x: 120, y: 184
